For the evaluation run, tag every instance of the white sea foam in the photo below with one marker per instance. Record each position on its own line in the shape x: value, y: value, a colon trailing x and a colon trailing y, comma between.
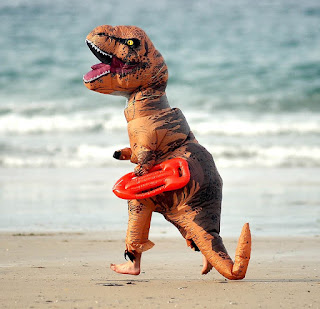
x: 200, y: 123
x: 21, y: 124
x: 89, y: 155
x: 273, y: 156
x: 253, y: 125
x: 90, y: 137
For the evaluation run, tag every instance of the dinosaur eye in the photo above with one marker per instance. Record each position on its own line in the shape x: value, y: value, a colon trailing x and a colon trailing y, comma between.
x: 130, y: 42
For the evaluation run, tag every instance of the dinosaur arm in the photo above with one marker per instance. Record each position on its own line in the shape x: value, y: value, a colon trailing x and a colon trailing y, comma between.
x: 145, y: 158
x: 123, y: 154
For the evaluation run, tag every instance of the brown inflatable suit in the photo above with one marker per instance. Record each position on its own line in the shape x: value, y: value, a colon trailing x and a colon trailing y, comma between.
x: 132, y: 67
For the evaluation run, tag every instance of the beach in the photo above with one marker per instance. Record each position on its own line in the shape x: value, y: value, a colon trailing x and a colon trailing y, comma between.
x: 70, y: 270
x: 61, y: 228
x: 246, y: 77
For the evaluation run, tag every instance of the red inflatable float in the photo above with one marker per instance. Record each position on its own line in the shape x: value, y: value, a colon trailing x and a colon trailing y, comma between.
x: 166, y: 176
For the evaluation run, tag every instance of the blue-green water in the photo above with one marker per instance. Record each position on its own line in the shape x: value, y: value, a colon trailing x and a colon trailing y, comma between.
x: 246, y: 74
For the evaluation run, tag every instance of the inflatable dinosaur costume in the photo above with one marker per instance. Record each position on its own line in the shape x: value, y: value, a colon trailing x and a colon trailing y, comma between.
x: 132, y: 67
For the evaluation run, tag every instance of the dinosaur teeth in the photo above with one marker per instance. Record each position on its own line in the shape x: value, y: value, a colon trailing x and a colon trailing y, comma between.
x: 90, y: 44
x: 109, y: 64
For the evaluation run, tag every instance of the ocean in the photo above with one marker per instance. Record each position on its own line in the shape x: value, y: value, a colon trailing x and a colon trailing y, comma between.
x: 246, y: 75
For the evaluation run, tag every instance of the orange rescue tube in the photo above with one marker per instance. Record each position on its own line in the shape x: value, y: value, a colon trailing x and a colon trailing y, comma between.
x: 169, y: 175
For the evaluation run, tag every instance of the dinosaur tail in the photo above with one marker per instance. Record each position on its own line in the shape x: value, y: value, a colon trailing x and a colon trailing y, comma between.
x: 243, y: 252
x: 222, y: 262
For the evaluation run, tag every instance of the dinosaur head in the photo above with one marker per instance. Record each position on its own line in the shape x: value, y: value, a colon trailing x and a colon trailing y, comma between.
x: 129, y: 61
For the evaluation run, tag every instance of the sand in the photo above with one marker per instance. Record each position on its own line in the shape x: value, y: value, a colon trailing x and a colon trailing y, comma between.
x: 70, y: 270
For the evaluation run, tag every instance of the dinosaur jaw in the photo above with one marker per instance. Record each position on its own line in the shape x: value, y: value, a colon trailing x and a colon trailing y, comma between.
x: 109, y: 64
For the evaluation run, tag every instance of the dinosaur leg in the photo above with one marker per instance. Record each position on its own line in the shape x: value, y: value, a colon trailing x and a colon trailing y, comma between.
x: 137, y: 237
x: 214, y: 251
x: 190, y: 243
x: 198, y: 225
x: 206, y: 264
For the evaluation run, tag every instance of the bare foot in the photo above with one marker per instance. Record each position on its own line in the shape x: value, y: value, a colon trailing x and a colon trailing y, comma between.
x: 127, y: 268
x: 206, y: 266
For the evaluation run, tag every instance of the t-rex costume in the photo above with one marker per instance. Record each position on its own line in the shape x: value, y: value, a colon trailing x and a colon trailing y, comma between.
x: 132, y: 67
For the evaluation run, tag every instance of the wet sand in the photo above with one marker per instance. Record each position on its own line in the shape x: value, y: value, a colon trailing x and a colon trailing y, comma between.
x: 70, y: 270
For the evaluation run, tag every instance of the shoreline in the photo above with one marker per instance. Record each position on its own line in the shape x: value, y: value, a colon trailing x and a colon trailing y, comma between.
x: 274, y: 201
x: 70, y: 270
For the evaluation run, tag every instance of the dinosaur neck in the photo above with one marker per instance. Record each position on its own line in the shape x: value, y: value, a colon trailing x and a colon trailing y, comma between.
x: 145, y: 103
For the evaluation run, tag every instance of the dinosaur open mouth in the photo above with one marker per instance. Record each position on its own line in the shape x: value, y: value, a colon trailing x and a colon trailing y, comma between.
x: 109, y: 64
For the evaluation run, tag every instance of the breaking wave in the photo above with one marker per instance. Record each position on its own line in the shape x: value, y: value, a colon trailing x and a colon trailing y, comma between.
x: 201, y: 123
x: 46, y: 136
x: 86, y: 155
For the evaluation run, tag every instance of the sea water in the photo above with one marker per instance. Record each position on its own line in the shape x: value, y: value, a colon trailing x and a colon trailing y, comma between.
x: 246, y: 75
